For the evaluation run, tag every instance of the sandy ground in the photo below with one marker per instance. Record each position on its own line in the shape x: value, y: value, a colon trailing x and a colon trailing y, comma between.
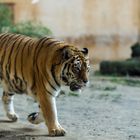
x: 107, y: 109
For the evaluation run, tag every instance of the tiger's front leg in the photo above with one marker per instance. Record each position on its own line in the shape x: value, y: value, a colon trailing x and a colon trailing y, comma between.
x: 7, y: 99
x: 48, y: 107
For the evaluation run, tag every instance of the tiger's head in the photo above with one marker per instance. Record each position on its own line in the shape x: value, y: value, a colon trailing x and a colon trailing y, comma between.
x: 76, y: 68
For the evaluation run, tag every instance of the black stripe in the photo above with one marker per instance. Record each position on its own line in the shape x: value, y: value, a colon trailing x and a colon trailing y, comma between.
x: 20, y: 83
x: 9, y: 37
x: 33, y: 76
x: 53, y: 74
x: 8, y: 64
x: 8, y: 77
x: 7, y: 93
x: 50, y: 83
x: 36, y: 53
x: 68, y: 68
x: 3, y: 36
x: 1, y: 76
x: 39, y: 44
x: 52, y: 69
x: 4, y: 53
x: 52, y: 42
x: 4, y: 39
x: 46, y: 89
x: 7, y: 73
x: 47, y: 39
x: 36, y: 48
x: 22, y: 56
x: 64, y: 68
x: 4, y: 93
x: 16, y: 89
x: 64, y: 78
x: 11, y: 51
x: 37, y: 69
x: 9, y: 61
x: 33, y: 84
x: 43, y: 82
x: 10, y: 94
x: 15, y: 62
x: 35, y: 58
x: 31, y: 43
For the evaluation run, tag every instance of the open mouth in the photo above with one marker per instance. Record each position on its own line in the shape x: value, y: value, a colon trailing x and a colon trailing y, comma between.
x: 75, y: 87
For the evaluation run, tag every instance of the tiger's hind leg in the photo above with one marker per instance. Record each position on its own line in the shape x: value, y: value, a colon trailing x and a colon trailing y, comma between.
x: 36, y: 117
x: 7, y: 99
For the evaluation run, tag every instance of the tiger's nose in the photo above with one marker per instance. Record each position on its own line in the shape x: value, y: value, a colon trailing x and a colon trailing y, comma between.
x: 85, y: 81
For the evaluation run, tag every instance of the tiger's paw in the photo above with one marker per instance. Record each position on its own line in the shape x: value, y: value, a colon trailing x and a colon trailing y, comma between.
x: 12, y: 116
x: 57, y: 132
x: 35, y: 118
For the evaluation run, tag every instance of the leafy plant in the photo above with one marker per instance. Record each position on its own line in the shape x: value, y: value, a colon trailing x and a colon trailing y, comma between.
x: 5, y: 17
x: 30, y: 29
x: 128, y: 67
x: 135, y: 50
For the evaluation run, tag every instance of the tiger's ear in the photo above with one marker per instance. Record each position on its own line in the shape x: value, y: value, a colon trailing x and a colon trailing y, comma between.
x: 85, y: 51
x: 66, y: 54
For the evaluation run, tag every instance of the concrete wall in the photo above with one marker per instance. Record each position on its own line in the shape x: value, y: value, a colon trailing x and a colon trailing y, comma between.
x: 107, y: 27
x: 78, y: 17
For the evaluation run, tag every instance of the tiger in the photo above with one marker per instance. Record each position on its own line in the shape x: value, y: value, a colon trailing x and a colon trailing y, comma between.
x: 39, y: 67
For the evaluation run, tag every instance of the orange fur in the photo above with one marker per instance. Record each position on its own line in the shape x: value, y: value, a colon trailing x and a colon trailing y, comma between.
x: 34, y: 66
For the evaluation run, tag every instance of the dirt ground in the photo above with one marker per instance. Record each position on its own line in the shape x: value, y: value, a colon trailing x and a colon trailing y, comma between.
x: 108, y: 109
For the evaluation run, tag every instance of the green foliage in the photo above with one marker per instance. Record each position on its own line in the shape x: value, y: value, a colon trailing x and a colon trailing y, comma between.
x: 136, y: 50
x: 130, y: 67
x: 30, y: 29
x: 5, y: 17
